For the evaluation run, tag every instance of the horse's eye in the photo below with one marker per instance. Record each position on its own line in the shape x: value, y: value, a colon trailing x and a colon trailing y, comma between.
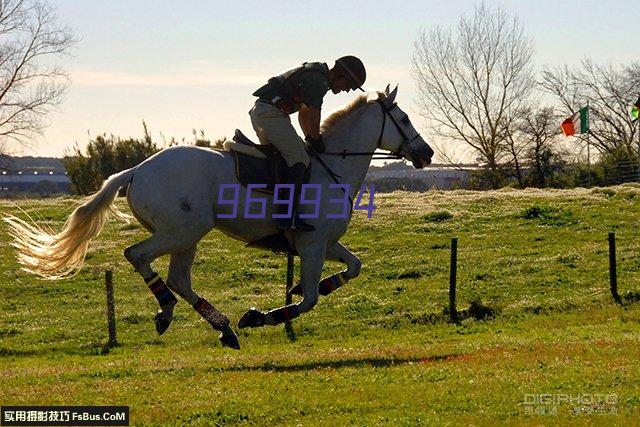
x: 405, y: 120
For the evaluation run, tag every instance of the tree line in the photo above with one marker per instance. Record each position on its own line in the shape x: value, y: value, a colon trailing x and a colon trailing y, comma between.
x: 478, y: 86
x: 105, y: 155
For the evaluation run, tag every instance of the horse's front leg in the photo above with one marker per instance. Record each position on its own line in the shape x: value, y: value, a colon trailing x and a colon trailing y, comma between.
x: 336, y: 252
x: 311, y: 262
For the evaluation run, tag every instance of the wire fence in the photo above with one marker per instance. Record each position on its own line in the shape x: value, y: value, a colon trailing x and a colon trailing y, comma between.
x: 622, y: 172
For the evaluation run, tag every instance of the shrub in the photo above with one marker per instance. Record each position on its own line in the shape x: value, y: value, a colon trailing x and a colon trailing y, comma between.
x: 104, y: 157
x: 548, y: 215
x: 437, y: 216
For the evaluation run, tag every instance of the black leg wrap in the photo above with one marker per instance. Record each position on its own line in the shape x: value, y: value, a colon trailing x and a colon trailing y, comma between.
x: 332, y: 283
x: 215, y: 318
x: 284, y: 314
x: 326, y: 286
x: 161, y: 291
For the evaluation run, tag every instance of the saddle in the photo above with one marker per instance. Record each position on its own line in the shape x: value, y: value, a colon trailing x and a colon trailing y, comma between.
x: 259, y: 164
x: 255, y: 163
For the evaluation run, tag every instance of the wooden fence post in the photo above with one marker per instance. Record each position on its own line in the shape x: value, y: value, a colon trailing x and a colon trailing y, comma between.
x: 613, y: 272
x: 111, y: 316
x: 453, y: 312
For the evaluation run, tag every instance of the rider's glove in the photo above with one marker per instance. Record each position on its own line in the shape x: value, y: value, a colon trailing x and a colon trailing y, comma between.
x: 316, y: 145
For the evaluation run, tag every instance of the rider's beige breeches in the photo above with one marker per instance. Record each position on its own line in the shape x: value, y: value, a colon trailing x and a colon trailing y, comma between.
x: 274, y: 127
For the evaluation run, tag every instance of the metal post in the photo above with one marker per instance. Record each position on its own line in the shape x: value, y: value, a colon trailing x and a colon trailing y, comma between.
x: 588, y: 163
x: 288, y: 326
x: 453, y: 312
x: 288, y: 300
x: 111, y: 314
x: 613, y: 274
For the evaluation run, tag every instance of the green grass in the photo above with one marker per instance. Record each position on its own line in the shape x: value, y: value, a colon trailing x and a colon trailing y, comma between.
x: 533, y: 264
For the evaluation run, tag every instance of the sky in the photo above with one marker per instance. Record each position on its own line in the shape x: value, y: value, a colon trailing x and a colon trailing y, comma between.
x: 183, y: 65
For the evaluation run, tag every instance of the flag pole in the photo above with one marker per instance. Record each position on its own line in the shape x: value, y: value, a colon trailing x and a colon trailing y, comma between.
x: 638, y: 121
x: 588, y: 148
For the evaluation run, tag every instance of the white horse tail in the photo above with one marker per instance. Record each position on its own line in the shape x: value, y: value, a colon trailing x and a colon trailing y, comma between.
x: 54, y: 256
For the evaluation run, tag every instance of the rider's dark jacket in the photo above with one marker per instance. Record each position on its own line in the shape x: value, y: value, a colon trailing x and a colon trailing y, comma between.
x: 306, y: 84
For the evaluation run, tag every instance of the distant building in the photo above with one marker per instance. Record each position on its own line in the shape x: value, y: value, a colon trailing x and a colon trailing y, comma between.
x: 443, y: 177
x: 44, y: 184
x: 35, y: 175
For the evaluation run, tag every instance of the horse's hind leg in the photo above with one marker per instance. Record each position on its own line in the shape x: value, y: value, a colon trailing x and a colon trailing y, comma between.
x: 141, y: 255
x: 179, y: 280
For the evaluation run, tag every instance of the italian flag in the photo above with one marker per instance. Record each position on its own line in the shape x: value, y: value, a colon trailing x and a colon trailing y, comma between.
x: 577, y: 123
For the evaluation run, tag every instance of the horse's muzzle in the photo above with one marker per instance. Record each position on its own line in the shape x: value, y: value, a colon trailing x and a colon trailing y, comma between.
x: 422, y: 157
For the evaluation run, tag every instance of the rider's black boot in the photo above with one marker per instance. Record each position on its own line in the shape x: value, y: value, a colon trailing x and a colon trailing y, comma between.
x: 296, y: 175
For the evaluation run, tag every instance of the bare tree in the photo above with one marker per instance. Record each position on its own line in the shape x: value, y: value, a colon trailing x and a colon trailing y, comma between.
x: 474, y: 80
x: 609, y: 91
x: 516, y: 145
x: 538, y: 134
x: 30, y: 38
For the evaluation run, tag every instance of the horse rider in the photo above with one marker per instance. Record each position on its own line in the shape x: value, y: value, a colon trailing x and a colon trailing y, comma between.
x: 301, y: 90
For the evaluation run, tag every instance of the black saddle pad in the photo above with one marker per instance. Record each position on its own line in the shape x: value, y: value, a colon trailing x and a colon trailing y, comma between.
x: 253, y: 170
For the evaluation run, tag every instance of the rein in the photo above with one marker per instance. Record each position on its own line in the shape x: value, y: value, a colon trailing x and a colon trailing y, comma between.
x: 334, y: 176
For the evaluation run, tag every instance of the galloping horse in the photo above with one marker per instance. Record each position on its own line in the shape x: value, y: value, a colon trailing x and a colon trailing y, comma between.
x: 174, y: 195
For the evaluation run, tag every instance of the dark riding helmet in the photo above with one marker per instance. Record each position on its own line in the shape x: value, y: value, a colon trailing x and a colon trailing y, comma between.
x: 354, y: 68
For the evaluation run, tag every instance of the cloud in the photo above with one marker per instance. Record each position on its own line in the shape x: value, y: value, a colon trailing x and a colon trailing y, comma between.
x: 206, y: 73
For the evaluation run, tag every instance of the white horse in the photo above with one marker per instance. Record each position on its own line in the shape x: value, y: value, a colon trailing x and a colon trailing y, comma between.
x: 174, y: 194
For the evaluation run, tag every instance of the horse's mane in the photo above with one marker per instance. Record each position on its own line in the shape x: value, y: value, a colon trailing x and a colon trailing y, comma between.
x: 336, y: 118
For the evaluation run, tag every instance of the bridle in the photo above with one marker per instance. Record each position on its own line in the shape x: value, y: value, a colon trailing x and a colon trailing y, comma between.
x: 392, y: 155
x: 386, y: 111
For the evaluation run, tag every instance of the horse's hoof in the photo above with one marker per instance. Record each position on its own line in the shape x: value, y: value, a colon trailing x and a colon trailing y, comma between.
x: 163, y: 320
x: 296, y: 290
x: 253, y: 318
x: 228, y: 338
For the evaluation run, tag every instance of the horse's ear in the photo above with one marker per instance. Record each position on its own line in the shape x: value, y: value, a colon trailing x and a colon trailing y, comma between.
x: 386, y: 91
x: 391, y: 97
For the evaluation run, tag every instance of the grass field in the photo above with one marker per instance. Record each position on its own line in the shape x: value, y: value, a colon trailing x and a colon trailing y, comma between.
x: 379, y: 350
